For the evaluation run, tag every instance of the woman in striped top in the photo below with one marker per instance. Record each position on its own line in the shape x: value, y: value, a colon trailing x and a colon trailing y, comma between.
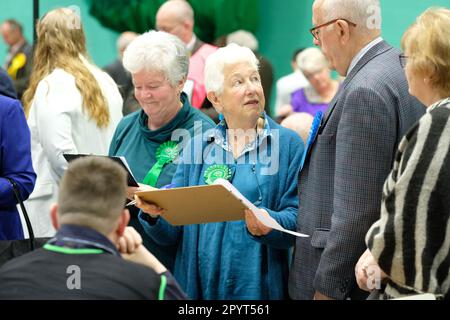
x: 411, y: 240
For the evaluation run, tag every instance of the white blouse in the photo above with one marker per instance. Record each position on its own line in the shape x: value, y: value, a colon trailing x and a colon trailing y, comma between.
x: 59, y: 124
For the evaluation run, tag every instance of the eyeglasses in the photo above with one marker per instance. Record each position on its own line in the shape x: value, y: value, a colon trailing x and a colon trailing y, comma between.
x: 403, y: 60
x: 316, y: 32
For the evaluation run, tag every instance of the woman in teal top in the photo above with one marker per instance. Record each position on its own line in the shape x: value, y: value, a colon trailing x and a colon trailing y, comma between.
x: 149, y: 139
x: 238, y: 259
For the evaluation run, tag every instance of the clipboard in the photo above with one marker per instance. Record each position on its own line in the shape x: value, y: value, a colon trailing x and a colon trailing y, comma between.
x: 218, y: 202
x: 131, y: 181
x: 196, y: 204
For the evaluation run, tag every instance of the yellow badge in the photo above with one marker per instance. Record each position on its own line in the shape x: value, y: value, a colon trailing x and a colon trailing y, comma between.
x: 17, y: 63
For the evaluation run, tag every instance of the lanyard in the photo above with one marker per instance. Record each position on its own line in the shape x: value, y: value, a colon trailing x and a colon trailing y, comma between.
x: 61, y: 245
x: 66, y: 250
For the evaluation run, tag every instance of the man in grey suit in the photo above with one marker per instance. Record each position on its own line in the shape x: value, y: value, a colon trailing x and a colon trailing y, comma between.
x: 341, y: 181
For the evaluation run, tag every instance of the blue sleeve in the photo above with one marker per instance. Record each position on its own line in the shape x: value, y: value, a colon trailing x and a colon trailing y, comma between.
x: 286, y: 212
x: 15, y: 153
x: 162, y: 232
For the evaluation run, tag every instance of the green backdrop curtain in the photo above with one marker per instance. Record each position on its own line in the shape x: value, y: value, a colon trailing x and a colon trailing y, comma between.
x: 213, y: 18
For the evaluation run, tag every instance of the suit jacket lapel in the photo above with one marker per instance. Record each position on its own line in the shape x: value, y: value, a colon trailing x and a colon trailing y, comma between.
x: 378, y: 49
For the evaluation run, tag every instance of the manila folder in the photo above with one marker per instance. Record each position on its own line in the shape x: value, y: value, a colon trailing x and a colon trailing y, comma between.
x: 196, y: 204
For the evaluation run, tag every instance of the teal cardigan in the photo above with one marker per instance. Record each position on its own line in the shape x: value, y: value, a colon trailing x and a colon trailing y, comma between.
x: 138, y: 144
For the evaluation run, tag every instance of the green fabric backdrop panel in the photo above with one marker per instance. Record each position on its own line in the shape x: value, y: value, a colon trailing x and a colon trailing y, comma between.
x: 213, y: 18
x: 281, y: 25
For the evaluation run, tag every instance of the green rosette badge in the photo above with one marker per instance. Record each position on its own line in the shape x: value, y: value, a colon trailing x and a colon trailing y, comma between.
x: 215, y: 172
x: 166, y: 153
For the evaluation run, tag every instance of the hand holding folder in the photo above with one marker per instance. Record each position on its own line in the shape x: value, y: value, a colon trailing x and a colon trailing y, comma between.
x: 218, y: 202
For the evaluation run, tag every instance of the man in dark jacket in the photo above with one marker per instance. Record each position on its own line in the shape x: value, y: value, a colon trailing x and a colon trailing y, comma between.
x: 340, y: 185
x: 18, y: 60
x: 123, y: 77
x: 94, y: 255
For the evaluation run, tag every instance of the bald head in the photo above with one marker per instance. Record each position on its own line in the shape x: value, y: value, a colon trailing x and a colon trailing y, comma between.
x: 124, y: 40
x: 176, y: 17
x: 354, y: 24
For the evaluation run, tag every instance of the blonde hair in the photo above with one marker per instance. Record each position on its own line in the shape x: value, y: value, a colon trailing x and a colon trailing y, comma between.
x: 427, y: 44
x: 61, y: 44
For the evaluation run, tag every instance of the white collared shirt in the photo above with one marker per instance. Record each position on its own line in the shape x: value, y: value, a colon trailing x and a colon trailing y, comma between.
x: 362, y: 52
x: 191, y: 44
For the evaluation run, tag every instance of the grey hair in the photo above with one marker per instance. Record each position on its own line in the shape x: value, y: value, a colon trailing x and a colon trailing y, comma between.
x: 216, y: 62
x: 365, y: 13
x: 311, y: 60
x: 125, y: 39
x: 158, y: 51
x: 243, y: 38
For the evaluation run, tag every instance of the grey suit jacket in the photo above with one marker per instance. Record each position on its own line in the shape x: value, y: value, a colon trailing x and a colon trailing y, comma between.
x: 341, y: 182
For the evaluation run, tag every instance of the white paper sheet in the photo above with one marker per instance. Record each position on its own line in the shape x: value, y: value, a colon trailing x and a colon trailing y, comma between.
x: 261, y: 215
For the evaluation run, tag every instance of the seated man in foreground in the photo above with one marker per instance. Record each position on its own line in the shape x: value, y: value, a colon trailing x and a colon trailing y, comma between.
x: 94, y: 255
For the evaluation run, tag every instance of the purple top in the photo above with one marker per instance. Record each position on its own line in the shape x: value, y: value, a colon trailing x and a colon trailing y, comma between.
x: 300, y: 103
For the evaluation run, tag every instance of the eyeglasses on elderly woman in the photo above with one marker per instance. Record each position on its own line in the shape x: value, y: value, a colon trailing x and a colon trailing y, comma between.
x: 403, y: 60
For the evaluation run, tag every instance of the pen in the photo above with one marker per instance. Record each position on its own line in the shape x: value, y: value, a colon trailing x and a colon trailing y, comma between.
x: 168, y: 186
x: 131, y: 203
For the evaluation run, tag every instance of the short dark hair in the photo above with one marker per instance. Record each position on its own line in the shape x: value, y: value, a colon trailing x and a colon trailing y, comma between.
x: 92, y: 193
x: 14, y: 25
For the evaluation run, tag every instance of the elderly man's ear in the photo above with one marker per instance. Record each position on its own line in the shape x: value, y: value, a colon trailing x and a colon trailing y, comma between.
x: 344, y: 31
x: 215, y: 100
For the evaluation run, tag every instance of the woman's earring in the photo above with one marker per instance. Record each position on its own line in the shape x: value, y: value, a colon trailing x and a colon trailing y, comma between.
x: 221, y: 117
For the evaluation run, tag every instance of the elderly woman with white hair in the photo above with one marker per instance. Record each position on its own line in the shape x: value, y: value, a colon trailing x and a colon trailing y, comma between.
x: 321, y: 89
x: 239, y: 259
x: 158, y: 63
